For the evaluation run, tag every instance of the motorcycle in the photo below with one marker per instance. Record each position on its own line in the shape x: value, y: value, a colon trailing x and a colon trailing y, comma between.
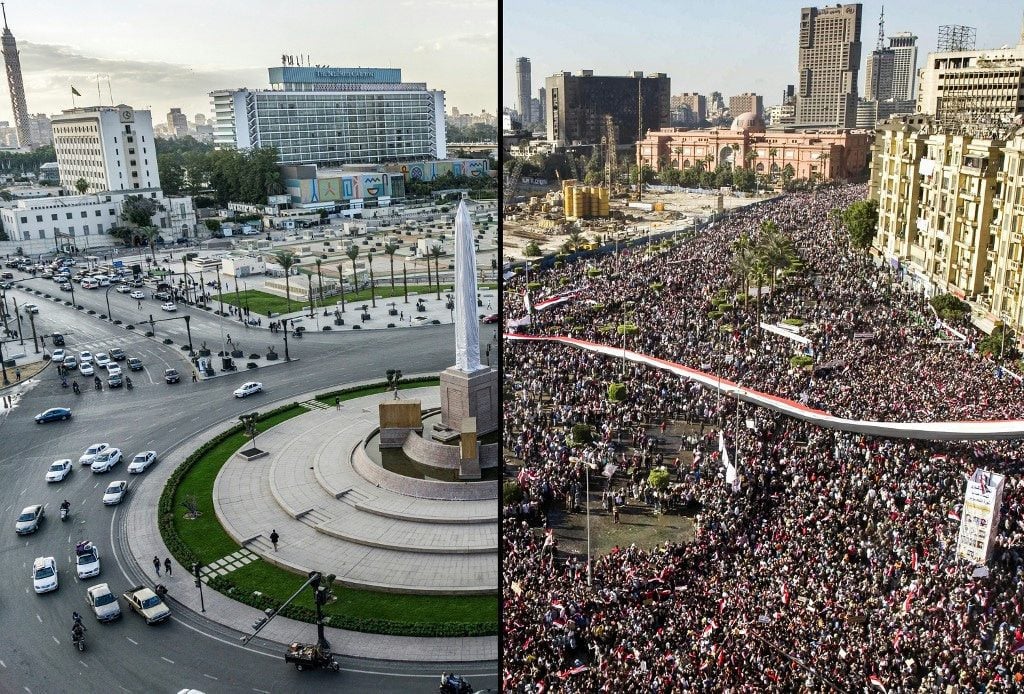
x: 99, y: 384
x: 78, y: 638
x: 453, y: 684
x: 74, y: 387
x: 64, y: 512
x: 128, y: 384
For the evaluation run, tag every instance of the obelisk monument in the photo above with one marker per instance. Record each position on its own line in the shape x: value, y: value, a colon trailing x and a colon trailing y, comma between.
x: 468, y: 389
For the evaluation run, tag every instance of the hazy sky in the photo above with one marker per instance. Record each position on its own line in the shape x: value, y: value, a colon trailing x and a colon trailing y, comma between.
x: 732, y: 46
x: 163, y: 54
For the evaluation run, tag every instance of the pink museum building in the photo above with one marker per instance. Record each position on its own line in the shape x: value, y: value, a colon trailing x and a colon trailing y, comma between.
x: 813, y: 154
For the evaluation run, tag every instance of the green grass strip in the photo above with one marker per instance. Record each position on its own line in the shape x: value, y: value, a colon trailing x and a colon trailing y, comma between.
x: 263, y: 585
x: 260, y: 303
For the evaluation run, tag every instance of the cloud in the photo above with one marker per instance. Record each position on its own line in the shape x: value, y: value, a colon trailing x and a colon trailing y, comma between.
x: 488, y: 40
x: 49, y: 69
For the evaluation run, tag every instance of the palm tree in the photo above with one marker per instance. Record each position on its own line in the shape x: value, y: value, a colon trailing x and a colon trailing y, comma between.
x: 81, y: 185
x: 742, y: 265
x: 824, y: 164
x: 148, y: 235
x: 436, y: 251
x: 391, y: 248
x: 369, y: 264
x: 575, y: 241
x: 341, y: 285
x: 775, y: 251
x: 735, y: 149
x: 286, y: 259
x: 353, y: 252
x: 772, y: 153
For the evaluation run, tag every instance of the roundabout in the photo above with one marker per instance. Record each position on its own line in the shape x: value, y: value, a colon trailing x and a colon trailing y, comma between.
x: 298, y: 549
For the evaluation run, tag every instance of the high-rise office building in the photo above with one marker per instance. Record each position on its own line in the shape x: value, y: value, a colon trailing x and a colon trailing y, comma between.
x: 904, y: 69
x: 40, y: 130
x: 879, y: 74
x: 177, y: 123
x: 578, y: 104
x: 200, y: 119
x: 523, y: 88
x: 828, y: 63
x: 542, y: 95
x: 111, y: 147
x: 334, y: 116
x: 12, y: 62
x: 746, y: 103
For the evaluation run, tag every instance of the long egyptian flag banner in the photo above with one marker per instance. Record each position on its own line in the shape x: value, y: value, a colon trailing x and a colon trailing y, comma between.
x: 932, y: 431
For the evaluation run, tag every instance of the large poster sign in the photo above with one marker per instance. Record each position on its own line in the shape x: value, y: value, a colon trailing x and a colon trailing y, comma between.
x: 979, y: 522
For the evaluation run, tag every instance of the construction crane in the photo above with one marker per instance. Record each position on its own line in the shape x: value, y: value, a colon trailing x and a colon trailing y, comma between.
x: 610, y: 141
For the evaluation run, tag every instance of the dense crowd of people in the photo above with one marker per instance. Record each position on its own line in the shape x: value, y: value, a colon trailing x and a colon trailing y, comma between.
x: 904, y: 371
x: 830, y: 563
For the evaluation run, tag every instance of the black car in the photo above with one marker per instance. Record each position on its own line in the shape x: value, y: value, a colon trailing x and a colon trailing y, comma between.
x: 134, y: 363
x: 117, y: 354
x: 172, y: 376
x: 162, y: 296
x: 58, y: 339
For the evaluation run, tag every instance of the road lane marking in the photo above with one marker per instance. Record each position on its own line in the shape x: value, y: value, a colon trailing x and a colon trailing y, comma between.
x: 132, y: 640
x: 167, y: 659
x: 55, y: 640
x: 83, y: 663
x: 210, y: 676
x: 261, y: 691
x: 39, y: 618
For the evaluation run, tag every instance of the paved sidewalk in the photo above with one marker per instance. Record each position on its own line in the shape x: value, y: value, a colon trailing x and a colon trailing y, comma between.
x: 144, y: 542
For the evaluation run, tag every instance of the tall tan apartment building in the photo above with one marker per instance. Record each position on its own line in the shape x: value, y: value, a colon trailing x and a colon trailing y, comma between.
x: 746, y: 103
x: 828, y: 63
x: 697, y: 103
x: 951, y: 213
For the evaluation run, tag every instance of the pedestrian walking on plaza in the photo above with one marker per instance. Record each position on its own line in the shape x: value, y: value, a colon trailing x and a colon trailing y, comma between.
x: 194, y: 377
x: 156, y: 565
x: 615, y: 514
x: 274, y: 537
x: 337, y: 404
x: 167, y: 565
x: 17, y: 373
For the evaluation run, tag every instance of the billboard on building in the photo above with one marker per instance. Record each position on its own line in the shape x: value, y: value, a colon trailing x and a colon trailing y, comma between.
x: 979, y: 522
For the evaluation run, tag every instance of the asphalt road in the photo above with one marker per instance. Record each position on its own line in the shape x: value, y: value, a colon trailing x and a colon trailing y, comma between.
x: 187, y: 651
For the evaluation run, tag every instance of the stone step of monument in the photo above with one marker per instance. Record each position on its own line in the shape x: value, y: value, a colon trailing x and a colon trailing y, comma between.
x: 315, y: 405
x: 407, y: 537
x: 313, y: 517
x: 427, y: 516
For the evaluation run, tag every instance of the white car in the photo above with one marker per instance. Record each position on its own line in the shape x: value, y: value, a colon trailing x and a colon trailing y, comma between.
x: 31, y: 308
x: 122, y: 289
x: 58, y: 356
x: 87, y: 561
x: 102, y: 359
x: 168, y: 306
x: 113, y: 369
x: 103, y: 603
x: 44, y: 574
x: 59, y: 469
x: 115, y: 492
x: 86, y: 369
x: 91, y: 452
x: 85, y: 357
x: 106, y: 460
x: 28, y: 521
x: 141, y: 461
x: 249, y: 388
x: 137, y: 294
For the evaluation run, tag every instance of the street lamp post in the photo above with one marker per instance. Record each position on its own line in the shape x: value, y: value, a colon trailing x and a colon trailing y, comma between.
x: 107, y: 297
x: 32, y: 322
x: 587, y: 474
x: 3, y: 367
x: 188, y: 330
x: 17, y: 315
x: 285, y: 326
x: 199, y: 585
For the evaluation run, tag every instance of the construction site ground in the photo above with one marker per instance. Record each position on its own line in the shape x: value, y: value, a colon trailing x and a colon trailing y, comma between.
x: 681, y: 209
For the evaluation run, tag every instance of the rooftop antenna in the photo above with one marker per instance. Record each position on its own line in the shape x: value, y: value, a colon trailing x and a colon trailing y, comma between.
x: 3, y: 7
x: 881, y: 30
